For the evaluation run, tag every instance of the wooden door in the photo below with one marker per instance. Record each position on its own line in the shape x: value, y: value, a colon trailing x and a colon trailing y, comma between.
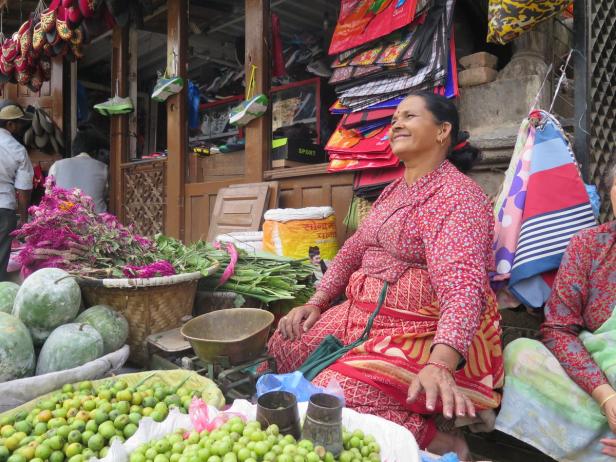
x: 49, y: 98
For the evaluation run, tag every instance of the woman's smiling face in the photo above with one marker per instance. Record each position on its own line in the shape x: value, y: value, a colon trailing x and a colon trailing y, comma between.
x: 414, y: 129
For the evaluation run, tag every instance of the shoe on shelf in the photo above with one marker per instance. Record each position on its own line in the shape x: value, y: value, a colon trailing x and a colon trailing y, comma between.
x: 319, y: 68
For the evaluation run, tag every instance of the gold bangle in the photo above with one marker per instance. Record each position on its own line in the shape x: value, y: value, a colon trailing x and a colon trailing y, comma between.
x: 613, y: 395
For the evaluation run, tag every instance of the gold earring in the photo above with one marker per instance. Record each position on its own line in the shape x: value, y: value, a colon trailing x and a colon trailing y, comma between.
x: 440, y: 141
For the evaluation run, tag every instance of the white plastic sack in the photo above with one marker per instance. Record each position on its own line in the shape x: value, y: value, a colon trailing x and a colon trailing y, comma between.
x: 306, y: 213
x: 397, y: 443
x: 148, y: 430
x: 17, y: 392
x: 250, y: 241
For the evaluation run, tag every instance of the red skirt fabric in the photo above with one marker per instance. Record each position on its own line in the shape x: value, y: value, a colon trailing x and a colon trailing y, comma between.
x: 375, y: 376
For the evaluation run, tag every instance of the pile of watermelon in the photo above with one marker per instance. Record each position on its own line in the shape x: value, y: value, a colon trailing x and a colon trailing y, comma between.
x: 43, y: 313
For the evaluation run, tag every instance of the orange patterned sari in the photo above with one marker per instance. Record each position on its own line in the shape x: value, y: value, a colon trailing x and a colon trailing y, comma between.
x: 390, y: 358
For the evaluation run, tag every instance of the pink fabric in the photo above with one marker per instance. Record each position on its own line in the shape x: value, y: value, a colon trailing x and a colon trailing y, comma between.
x: 510, y: 204
x: 442, y: 223
x: 583, y: 298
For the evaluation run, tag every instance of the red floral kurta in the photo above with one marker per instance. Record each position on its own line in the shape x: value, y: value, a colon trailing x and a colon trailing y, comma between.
x: 583, y: 297
x: 441, y: 223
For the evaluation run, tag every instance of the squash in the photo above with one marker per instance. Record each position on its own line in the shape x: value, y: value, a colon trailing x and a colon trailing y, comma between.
x: 47, y: 299
x: 17, y: 358
x: 69, y: 346
x: 112, y: 326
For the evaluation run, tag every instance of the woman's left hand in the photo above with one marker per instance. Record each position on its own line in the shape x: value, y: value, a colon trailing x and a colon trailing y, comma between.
x: 609, y: 446
x: 437, y: 382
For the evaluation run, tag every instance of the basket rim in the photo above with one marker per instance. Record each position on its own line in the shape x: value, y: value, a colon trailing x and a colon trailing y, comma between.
x: 144, y: 282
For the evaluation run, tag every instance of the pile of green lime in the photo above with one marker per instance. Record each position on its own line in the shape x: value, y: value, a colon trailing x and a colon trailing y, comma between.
x: 80, y: 421
x: 236, y: 441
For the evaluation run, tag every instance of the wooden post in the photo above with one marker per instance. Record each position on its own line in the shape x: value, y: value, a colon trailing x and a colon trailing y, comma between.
x: 119, y: 124
x: 177, y: 127
x: 258, y: 132
x: 133, y: 68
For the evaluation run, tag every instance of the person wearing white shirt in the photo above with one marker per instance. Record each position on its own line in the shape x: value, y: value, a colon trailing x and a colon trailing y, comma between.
x: 84, y: 171
x: 16, y: 174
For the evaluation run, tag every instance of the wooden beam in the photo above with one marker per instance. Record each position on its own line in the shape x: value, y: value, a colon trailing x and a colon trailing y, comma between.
x: 119, y: 124
x: 259, y: 131
x: 177, y: 125
x: 133, y: 80
x: 73, y: 99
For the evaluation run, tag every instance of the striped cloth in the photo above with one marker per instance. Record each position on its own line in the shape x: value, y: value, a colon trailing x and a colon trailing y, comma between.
x: 543, y: 203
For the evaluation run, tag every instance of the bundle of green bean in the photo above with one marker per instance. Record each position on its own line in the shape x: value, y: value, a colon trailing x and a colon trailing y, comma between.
x: 262, y: 276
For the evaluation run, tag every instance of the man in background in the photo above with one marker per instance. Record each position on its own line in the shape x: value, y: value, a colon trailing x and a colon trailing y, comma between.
x: 16, y: 175
x: 84, y: 170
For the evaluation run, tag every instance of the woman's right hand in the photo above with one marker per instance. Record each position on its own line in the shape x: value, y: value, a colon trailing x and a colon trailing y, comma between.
x: 290, y: 326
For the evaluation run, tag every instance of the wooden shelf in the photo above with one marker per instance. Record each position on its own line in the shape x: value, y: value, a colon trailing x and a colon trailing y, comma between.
x: 307, y: 170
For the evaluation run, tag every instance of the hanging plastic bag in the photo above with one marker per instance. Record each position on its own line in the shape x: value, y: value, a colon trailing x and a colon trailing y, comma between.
x: 194, y: 98
x: 508, y: 19
x: 252, y: 108
x: 296, y: 383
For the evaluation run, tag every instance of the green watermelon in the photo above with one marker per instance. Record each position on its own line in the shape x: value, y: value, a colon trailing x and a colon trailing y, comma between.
x: 17, y: 358
x: 112, y: 326
x: 8, y: 291
x: 69, y: 346
x: 47, y: 299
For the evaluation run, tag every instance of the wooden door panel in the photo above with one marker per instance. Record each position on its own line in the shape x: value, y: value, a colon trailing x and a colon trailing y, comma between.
x: 239, y: 208
x: 320, y: 190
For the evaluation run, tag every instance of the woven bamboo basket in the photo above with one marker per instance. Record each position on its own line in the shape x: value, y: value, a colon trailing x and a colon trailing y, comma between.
x: 150, y: 305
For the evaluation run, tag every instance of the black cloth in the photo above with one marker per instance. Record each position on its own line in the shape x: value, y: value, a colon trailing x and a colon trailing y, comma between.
x: 8, y: 223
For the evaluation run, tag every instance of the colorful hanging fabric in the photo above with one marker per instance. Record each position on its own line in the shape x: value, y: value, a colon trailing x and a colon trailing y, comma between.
x: 507, y: 19
x: 362, y: 21
x: 542, y: 205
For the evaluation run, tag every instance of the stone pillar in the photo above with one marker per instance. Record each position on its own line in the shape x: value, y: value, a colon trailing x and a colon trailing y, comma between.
x: 530, y: 53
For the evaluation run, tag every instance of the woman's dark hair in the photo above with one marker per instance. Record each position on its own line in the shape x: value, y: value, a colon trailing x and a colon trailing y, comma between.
x: 313, y: 251
x: 462, y: 154
x: 88, y: 140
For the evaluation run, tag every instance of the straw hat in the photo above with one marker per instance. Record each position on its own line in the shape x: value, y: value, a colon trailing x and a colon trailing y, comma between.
x: 41, y: 141
x: 29, y: 137
x: 10, y: 110
x: 36, y: 124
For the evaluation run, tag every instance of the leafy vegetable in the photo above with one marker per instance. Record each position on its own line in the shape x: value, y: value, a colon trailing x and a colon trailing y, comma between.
x: 262, y: 276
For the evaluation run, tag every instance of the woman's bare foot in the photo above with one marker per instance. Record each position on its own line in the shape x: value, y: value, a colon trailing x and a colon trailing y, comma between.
x: 450, y: 442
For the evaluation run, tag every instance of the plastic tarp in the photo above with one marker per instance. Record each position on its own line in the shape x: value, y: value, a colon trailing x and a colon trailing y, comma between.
x: 17, y: 392
x: 210, y: 393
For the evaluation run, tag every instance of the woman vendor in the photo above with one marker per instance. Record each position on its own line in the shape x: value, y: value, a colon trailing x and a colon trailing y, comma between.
x: 560, y: 395
x: 434, y: 349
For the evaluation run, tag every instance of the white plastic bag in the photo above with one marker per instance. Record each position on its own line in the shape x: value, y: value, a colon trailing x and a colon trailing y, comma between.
x: 148, y: 430
x: 397, y: 443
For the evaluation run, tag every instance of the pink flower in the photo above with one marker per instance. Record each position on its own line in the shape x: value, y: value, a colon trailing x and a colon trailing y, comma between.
x: 158, y: 268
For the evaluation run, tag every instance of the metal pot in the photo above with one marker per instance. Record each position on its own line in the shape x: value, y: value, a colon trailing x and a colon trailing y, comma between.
x: 279, y: 408
x: 323, y: 424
